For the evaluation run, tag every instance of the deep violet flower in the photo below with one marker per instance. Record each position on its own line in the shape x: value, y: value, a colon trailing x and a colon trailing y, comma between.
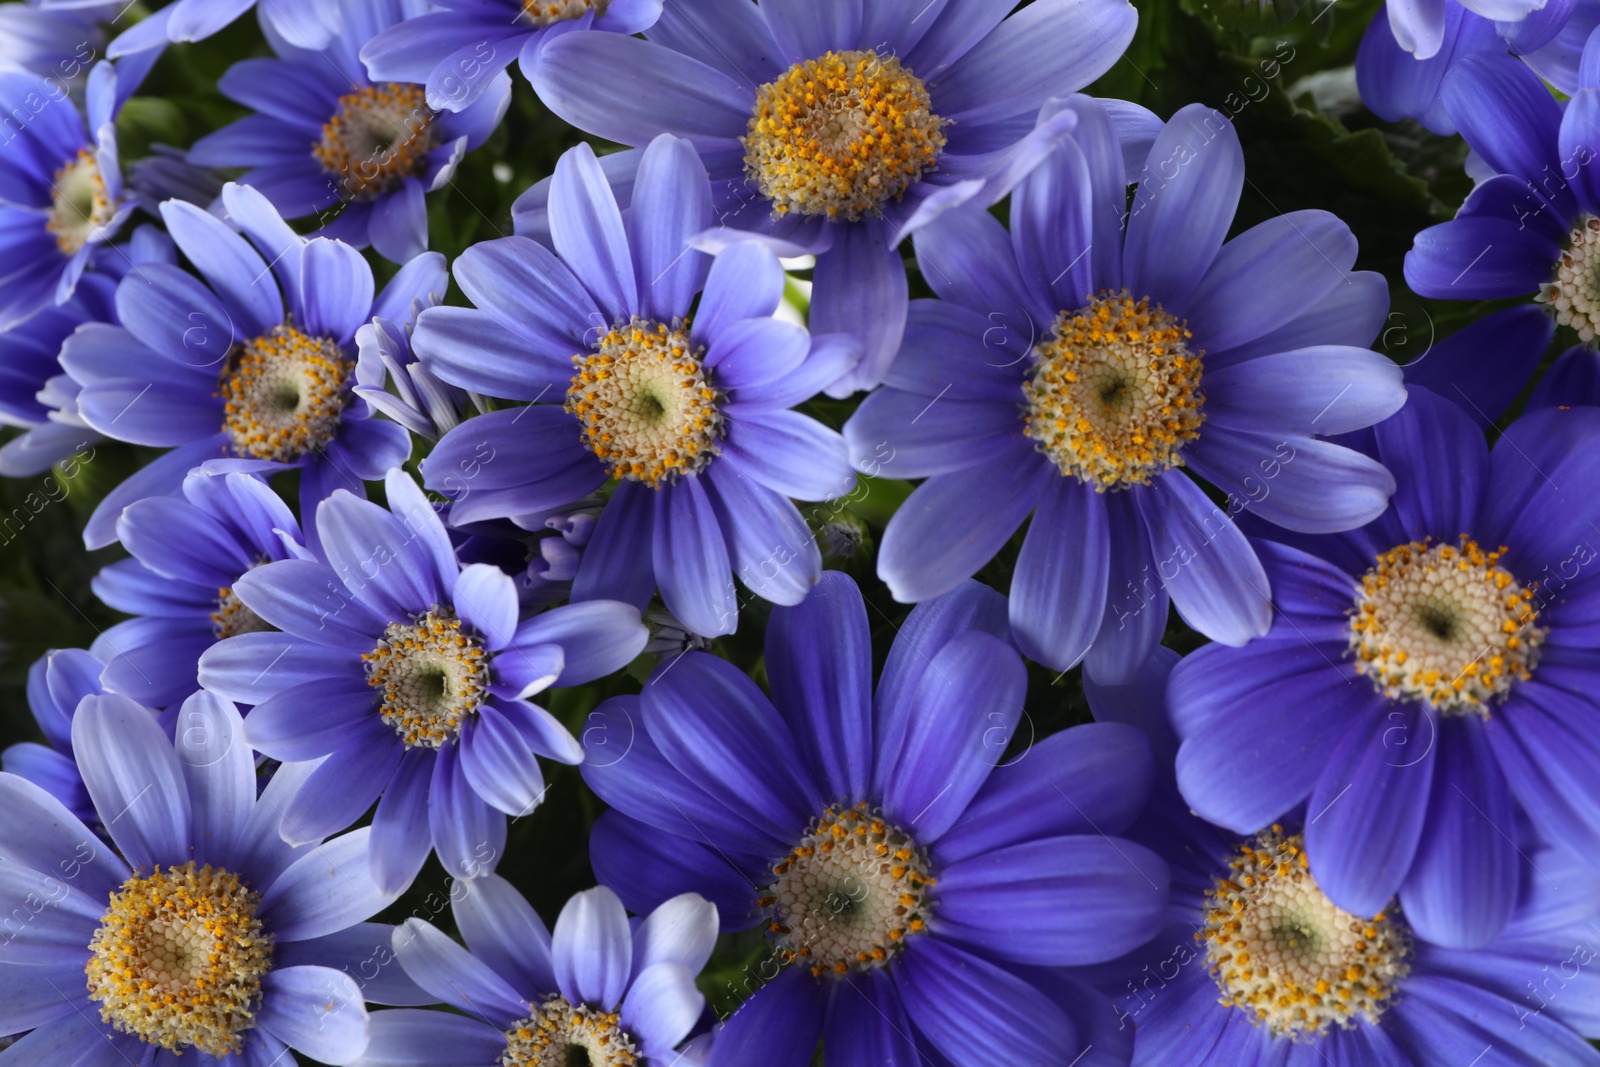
x: 910, y: 878
x: 249, y: 361
x: 406, y: 676
x: 1073, y: 366
x: 837, y: 127
x: 652, y: 365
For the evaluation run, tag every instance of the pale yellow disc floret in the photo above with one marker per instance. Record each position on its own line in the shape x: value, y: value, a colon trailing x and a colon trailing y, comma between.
x: 179, y: 958
x: 377, y: 138
x: 79, y: 202
x: 559, y: 1034
x: 543, y: 13
x: 1281, y: 951
x: 1115, y: 392
x: 1445, y: 624
x: 232, y: 618
x: 433, y: 675
x: 645, y: 398
x: 849, y: 894
x: 283, y: 394
x: 839, y: 135
x: 1573, y: 295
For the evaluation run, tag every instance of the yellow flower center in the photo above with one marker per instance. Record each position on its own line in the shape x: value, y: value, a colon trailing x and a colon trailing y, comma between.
x: 646, y: 402
x: 377, y: 138
x: 849, y: 894
x: 79, y: 202
x: 178, y: 959
x: 1574, y: 293
x: 232, y: 618
x: 560, y: 1035
x: 1282, y: 951
x: 432, y: 675
x: 839, y: 135
x: 548, y: 12
x: 1115, y: 392
x: 283, y: 394
x: 1444, y: 624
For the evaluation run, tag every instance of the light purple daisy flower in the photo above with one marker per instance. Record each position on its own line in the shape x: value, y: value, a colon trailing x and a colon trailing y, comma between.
x: 922, y: 106
x: 323, y: 134
x: 242, y: 962
x: 304, y: 23
x: 651, y: 364
x: 61, y: 193
x: 228, y: 364
x: 410, y: 674
x: 599, y: 990
x: 460, y: 48
x: 1074, y: 366
x: 57, y: 682
x: 188, y: 551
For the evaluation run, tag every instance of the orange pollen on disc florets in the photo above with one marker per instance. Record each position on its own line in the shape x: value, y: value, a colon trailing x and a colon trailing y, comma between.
x: 1445, y: 624
x: 849, y: 894
x: 645, y: 399
x: 231, y: 618
x: 283, y: 394
x: 561, y: 1035
x: 549, y: 12
x: 79, y: 202
x: 1281, y: 951
x: 377, y: 138
x: 839, y: 135
x: 433, y: 675
x: 1115, y: 392
x: 1573, y: 295
x: 179, y: 958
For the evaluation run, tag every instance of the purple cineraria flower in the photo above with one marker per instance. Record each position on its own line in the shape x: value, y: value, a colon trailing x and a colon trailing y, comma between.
x: 303, y: 23
x: 61, y: 194
x: 247, y: 360
x: 1256, y: 965
x: 913, y: 882
x: 35, y: 393
x: 1426, y: 28
x: 1072, y: 367
x: 597, y: 991
x: 323, y: 135
x: 407, y: 676
x: 201, y: 936
x: 188, y: 551
x: 1395, y: 84
x: 419, y: 401
x: 459, y: 48
x: 57, y: 682
x: 1430, y: 673
x: 1539, y: 209
x: 651, y: 364
x: 836, y: 127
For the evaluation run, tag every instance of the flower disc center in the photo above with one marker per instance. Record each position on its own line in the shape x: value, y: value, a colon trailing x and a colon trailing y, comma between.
x: 179, y: 958
x: 1444, y: 624
x: 560, y: 1035
x: 849, y: 894
x: 377, y: 138
x: 79, y: 203
x: 548, y: 12
x: 839, y: 135
x: 1574, y: 293
x: 1115, y: 392
x: 645, y: 400
x: 433, y: 675
x: 283, y: 394
x: 1284, y: 952
x: 232, y: 618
